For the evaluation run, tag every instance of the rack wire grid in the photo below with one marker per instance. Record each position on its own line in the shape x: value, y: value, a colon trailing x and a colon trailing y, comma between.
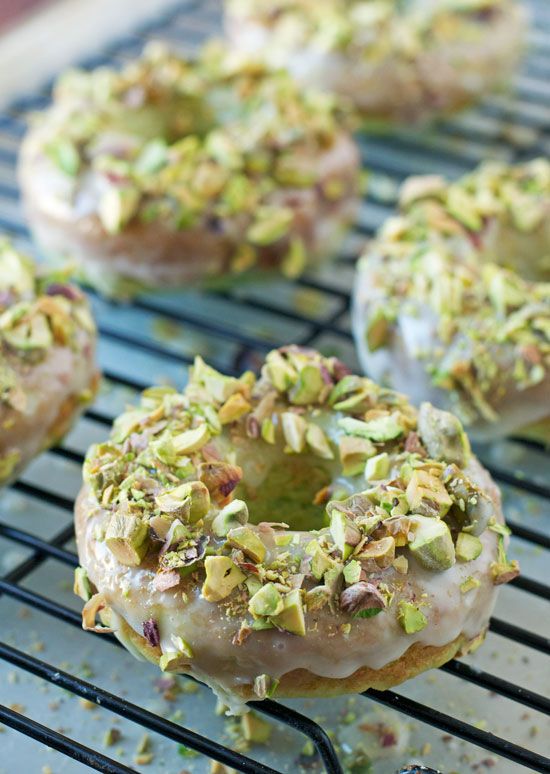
x: 485, y: 711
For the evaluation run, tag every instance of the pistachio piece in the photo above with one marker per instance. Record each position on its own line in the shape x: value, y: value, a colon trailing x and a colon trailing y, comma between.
x: 270, y: 225
x: 127, y: 537
x: 427, y: 495
x: 265, y: 686
x: 266, y: 601
x: 222, y: 576
x: 191, y: 440
x: 255, y: 729
x: 354, y: 452
x: 468, y: 547
x: 401, y: 564
x: 294, y: 431
x: 474, y: 508
x: 382, y: 428
x: 382, y: 551
x: 353, y: 393
x: 248, y: 542
x: 308, y: 387
x: 411, y: 618
x: 432, y: 544
x: 320, y: 563
x: 503, y: 570
x: 352, y: 572
x: 443, y: 435
x: 317, y: 597
x: 230, y: 517
x: 318, y: 442
x: 82, y: 586
x: 64, y: 154
x: 462, y: 206
x: 116, y: 207
x: 360, y: 597
x: 235, y: 407
x: 378, y: 330
x: 469, y: 584
x: 377, y: 467
x: 172, y: 661
x: 344, y: 533
x: 189, y: 502
x: 291, y: 619
x: 268, y: 431
x: 219, y: 386
x: 279, y: 371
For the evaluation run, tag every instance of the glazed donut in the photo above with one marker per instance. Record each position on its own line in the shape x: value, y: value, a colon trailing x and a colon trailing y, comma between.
x: 309, y: 533
x: 172, y: 172
x: 430, y: 58
x: 451, y: 302
x: 47, y: 368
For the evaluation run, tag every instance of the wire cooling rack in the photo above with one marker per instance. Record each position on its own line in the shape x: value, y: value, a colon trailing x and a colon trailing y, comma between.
x: 485, y: 711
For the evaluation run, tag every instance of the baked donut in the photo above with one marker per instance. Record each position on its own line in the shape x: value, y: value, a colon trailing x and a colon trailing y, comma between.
x: 452, y: 300
x: 309, y: 533
x: 47, y: 366
x: 172, y: 172
x: 394, y: 61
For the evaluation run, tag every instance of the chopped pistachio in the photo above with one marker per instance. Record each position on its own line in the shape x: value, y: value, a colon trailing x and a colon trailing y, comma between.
x: 354, y: 452
x: 382, y: 551
x: 320, y: 563
x: 377, y: 330
x: 280, y: 373
x: 117, y: 206
x: 65, y: 155
x: 270, y: 225
x: 218, y: 385
x: 267, y: 601
x: 191, y: 440
x: 432, y: 544
x: 268, y: 431
x: 468, y: 547
x: 503, y: 570
x: 222, y: 576
x: 475, y: 508
x: 235, y: 407
x: 82, y: 586
x: 318, y: 442
x: 411, y: 618
x: 230, y: 517
x: 255, y: 729
x: 443, y: 435
x: 248, y: 542
x: 383, y: 428
x: 377, y: 467
x: 127, y: 537
x: 291, y: 619
x: 344, y: 533
x: 189, y: 502
x: 294, y: 431
x: 352, y: 572
x: 401, y: 564
x: 469, y: 584
x: 427, y: 495
x: 265, y: 686
x: 308, y: 387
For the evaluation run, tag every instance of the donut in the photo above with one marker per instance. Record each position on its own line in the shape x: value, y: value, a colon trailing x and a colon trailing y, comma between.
x: 396, y: 62
x: 173, y: 172
x: 47, y: 366
x: 452, y: 299
x: 308, y: 533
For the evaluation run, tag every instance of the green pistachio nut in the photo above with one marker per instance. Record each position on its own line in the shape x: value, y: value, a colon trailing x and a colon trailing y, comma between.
x: 462, y: 206
x: 65, y: 155
x: 320, y: 563
x: 379, y: 429
x: 248, y: 542
x: 354, y: 453
x: 427, y: 495
x: 468, y: 547
x: 222, y: 576
x: 279, y: 371
x: 382, y: 551
x: 378, y: 467
x: 469, y: 584
x: 270, y: 225
x: 318, y: 442
x: 344, y: 533
x: 353, y: 393
x: 17, y: 272
x: 294, y: 431
x: 117, y: 207
x: 443, y: 435
x: 267, y: 601
x: 378, y: 329
x: 411, y: 618
x: 432, y: 544
x: 191, y: 440
x: 233, y: 515
x: 127, y: 537
x: 352, y: 572
x: 291, y: 619
x: 473, y: 508
x: 82, y: 586
x: 317, y: 597
x: 189, y: 502
x: 308, y: 387
x: 234, y: 408
x: 219, y: 386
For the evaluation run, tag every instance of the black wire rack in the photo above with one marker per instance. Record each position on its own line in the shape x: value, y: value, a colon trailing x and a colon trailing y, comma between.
x: 312, y: 310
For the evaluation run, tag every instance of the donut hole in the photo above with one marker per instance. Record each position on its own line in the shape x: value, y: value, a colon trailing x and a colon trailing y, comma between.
x: 285, y: 490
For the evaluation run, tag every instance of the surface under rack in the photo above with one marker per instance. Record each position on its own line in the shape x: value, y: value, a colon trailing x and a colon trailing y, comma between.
x: 78, y: 700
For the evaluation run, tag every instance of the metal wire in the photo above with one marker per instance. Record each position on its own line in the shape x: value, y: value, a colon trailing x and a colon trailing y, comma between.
x: 389, y: 157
